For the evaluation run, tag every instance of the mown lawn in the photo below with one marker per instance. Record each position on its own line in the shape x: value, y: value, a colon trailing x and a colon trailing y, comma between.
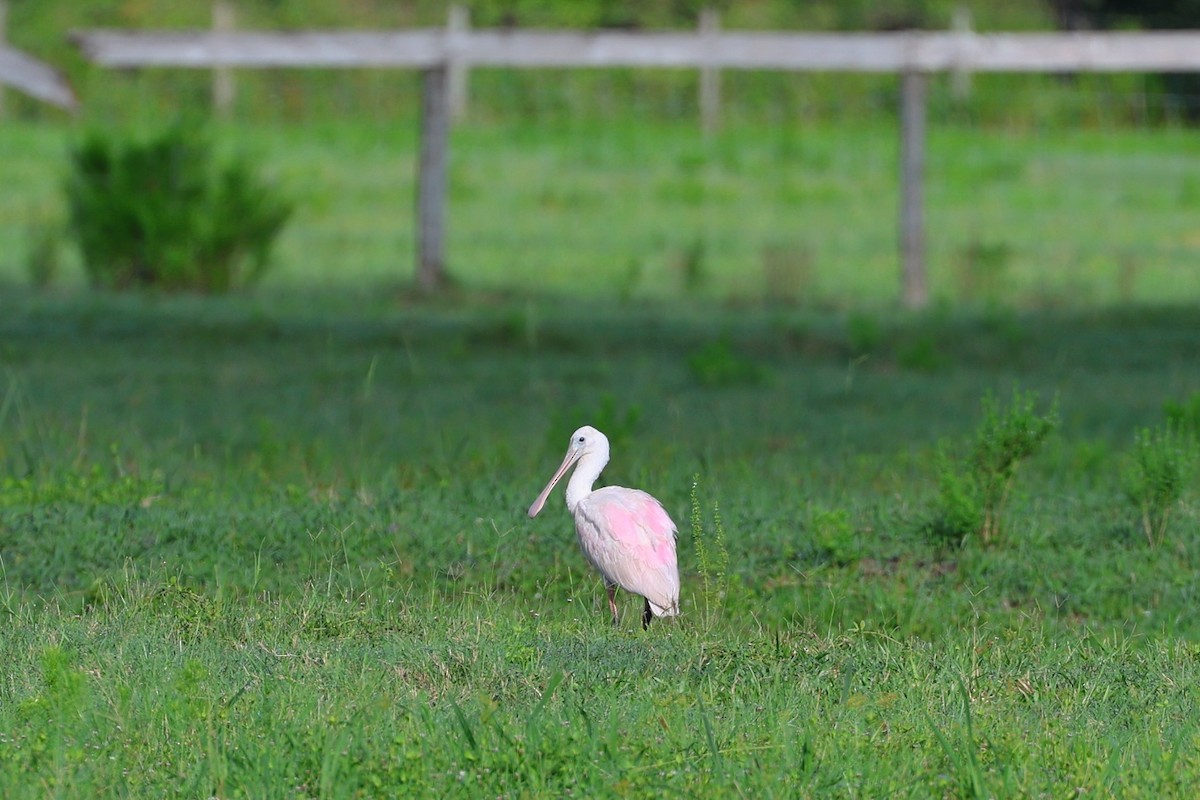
x: 276, y: 545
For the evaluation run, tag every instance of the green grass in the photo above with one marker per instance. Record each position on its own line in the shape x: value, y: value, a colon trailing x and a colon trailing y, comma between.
x: 792, y: 213
x: 342, y: 697
x: 276, y: 545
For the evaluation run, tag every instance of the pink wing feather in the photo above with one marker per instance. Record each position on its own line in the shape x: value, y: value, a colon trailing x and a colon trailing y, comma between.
x: 628, y: 536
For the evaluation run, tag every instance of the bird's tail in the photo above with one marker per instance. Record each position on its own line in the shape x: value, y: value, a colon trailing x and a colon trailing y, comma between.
x: 655, y: 610
x: 664, y: 611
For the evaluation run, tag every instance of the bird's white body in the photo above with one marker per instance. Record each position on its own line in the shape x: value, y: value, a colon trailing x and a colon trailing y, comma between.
x: 624, y: 533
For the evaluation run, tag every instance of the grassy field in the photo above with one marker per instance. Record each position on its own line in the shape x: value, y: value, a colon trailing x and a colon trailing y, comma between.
x: 795, y: 212
x: 276, y: 545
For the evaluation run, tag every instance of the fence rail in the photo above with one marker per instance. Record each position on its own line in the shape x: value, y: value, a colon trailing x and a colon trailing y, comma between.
x: 34, y: 78
x: 850, y: 52
x: 438, y: 52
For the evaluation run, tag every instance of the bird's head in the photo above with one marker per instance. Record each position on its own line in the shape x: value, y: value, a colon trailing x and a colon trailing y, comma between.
x: 585, y: 442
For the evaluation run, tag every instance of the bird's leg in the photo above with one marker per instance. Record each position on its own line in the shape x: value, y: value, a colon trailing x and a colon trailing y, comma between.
x: 646, y: 616
x: 612, y: 602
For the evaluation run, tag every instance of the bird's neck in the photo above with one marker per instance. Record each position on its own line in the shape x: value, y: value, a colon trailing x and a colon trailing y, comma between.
x: 586, y: 472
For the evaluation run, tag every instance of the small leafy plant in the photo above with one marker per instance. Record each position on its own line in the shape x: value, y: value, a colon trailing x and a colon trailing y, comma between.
x: 1155, y: 478
x: 712, y: 558
x: 1185, y: 415
x: 973, y: 494
x: 162, y: 213
x: 834, y: 535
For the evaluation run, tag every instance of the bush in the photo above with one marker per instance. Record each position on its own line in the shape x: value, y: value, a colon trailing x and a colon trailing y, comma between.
x: 973, y: 494
x: 163, y: 213
x: 1184, y: 416
x: 1156, y: 475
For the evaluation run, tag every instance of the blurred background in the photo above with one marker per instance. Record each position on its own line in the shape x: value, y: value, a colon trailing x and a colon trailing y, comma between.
x: 604, y: 182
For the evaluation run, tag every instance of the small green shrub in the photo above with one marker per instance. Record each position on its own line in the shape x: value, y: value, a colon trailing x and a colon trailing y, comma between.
x: 959, y: 509
x: 1156, y: 475
x: 63, y: 691
x: 834, y: 535
x: 972, y: 494
x: 1007, y: 437
x: 163, y: 213
x: 1185, y: 415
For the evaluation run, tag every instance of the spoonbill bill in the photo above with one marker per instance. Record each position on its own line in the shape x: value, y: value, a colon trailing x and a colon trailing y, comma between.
x: 625, y: 533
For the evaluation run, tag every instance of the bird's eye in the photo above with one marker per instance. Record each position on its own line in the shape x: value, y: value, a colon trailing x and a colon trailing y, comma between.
x: 580, y: 440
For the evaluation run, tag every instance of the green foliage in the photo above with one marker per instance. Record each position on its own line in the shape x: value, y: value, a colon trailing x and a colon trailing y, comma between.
x: 921, y: 353
x: 1158, y: 470
x: 718, y: 364
x: 162, y: 213
x: 281, y: 583
x: 1165, y: 463
x: 95, y: 485
x: 354, y: 201
x: 864, y: 332
x: 424, y: 697
x: 63, y: 689
x: 617, y: 421
x: 972, y: 494
x: 963, y: 753
x: 833, y: 533
x: 960, y: 512
x: 712, y: 558
x: 1184, y: 416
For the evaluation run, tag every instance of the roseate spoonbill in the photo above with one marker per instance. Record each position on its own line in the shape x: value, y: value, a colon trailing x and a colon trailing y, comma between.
x: 625, y: 533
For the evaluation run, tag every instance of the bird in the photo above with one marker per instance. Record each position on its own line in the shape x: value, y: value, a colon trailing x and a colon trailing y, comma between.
x: 626, y: 534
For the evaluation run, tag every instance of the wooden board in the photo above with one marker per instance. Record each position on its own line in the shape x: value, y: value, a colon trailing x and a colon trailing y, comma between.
x: 852, y: 52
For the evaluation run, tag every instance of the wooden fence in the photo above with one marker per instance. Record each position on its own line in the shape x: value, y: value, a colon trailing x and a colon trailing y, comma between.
x: 439, y: 52
x: 25, y: 73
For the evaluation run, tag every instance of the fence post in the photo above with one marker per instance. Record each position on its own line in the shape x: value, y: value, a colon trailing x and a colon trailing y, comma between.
x: 458, y: 22
x: 223, y: 89
x: 710, y: 76
x: 914, y: 283
x: 960, y: 80
x: 431, y: 180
